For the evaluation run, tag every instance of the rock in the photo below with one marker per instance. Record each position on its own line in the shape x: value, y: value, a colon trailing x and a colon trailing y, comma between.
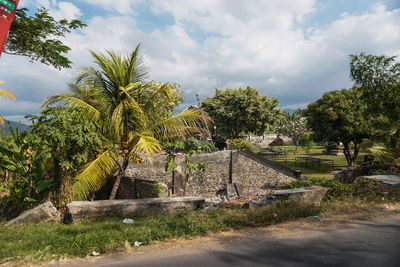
x: 231, y: 191
x: 211, y: 203
x: 42, y: 213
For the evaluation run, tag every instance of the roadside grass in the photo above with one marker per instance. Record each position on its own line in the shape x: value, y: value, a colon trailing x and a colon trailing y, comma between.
x: 44, y: 242
x: 55, y: 241
x: 326, y: 170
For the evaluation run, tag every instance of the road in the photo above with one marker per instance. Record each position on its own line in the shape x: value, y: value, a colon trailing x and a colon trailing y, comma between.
x: 372, y: 242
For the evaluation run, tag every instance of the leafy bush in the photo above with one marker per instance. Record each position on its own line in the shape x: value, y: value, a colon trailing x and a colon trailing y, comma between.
x: 337, y: 190
x: 306, y: 142
x: 363, y: 189
x: 240, y: 143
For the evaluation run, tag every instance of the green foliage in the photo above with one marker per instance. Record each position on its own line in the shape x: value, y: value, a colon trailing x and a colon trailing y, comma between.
x: 240, y: 143
x: 337, y: 190
x: 363, y: 189
x: 43, y: 160
x: 157, y: 189
x: 241, y: 110
x: 293, y: 126
x: 54, y: 241
x: 379, y: 81
x: 306, y: 142
x: 340, y: 116
x: 381, y: 172
x: 189, y: 147
x: 37, y: 37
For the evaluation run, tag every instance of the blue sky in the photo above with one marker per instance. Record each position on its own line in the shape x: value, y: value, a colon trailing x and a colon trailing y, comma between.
x: 294, y: 50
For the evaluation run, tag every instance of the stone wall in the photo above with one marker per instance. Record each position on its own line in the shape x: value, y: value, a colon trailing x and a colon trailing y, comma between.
x: 201, y: 183
x: 228, y: 166
x: 255, y: 172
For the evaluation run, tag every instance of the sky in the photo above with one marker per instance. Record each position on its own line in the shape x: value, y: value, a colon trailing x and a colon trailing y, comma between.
x: 294, y: 50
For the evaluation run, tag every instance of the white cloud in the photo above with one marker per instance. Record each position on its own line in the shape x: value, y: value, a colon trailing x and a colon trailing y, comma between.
x: 257, y: 43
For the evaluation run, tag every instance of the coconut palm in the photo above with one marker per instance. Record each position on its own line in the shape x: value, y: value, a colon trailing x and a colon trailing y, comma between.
x: 7, y: 94
x: 135, y: 116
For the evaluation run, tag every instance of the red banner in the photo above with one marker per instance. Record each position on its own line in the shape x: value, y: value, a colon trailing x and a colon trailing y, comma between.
x: 7, y: 12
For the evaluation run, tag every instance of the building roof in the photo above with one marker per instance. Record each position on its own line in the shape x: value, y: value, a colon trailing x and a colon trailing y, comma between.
x: 278, y: 142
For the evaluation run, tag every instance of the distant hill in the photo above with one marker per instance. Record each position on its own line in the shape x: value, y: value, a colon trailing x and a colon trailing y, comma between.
x: 289, y: 110
x: 14, y: 124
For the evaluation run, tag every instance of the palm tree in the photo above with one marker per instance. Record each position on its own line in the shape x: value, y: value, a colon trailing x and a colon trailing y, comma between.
x: 135, y: 116
x: 7, y: 94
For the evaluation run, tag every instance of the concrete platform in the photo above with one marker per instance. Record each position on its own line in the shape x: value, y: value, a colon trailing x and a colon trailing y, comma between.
x: 385, y: 179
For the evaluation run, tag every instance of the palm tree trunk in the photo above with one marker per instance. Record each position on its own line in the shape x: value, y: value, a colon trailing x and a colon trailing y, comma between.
x: 121, y: 173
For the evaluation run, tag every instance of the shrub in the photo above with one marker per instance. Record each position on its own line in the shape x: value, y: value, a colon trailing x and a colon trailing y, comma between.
x: 337, y: 190
x: 240, y: 143
x: 306, y: 142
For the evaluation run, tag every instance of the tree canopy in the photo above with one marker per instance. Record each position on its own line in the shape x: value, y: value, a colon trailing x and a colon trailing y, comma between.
x: 241, y: 110
x: 340, y: 116
x: 379, y: 81
x: 38, y: 37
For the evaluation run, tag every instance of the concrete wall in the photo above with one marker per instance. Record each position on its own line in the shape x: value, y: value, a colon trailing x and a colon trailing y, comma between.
x: 228, y: 166
x: 133, y: 207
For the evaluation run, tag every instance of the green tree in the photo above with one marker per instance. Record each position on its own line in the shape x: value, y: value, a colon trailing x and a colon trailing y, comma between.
x: 340, y: 116
x: 42, y: 161
x: 7, y: 94
x: 38, y: 37
x: 293, y: 126
x: 379, y: 80
x: 64, y: 139
x: 241, y: 110
x: 136, y: 116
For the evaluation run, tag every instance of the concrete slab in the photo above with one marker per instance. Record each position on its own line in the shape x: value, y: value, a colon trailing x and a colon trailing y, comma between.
x: 385, y: 179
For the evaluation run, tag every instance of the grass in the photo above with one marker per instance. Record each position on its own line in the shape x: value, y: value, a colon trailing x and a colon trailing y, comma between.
x: 35, y: 243
x: 312, y: 171
x: 54, y: 241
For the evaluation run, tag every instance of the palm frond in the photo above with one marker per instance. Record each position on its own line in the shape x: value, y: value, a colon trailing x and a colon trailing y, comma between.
x: 94, y: 174
x: 180, y: 125
x: 145, y: 143
x: 1, y: 120
x: 72, y: 101
x: 7, y: 94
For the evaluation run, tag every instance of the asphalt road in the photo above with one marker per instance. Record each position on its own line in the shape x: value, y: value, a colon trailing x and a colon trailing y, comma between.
x: 374, y: 242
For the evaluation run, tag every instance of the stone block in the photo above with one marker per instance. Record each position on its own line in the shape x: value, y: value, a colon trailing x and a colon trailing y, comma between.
x: 313, y: 194
x: 133, y: 207
x: 42, y: 213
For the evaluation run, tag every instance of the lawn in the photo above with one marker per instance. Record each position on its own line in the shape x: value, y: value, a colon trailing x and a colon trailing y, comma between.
x: 312, y: 171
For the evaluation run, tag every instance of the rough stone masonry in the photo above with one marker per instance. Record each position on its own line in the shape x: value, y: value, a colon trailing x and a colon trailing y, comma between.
x: 224, y: 167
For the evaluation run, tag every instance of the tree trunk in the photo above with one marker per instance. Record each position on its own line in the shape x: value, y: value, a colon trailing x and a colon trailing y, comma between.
x: 121, y: 173
x: 347, y: 154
